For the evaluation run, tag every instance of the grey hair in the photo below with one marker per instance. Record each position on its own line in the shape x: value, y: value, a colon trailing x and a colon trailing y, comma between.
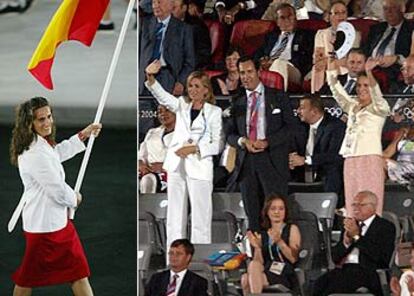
x: 372, y: 197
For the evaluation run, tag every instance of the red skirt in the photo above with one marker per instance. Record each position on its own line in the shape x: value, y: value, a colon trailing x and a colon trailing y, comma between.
x: 52, y: 258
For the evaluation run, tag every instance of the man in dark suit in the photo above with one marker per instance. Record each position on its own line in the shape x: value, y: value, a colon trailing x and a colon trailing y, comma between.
x: 287, y: 43
x: 201, y: 35
x: 178, y: 280
x: 390, y: 41
x: 366, y: 244
x: 169, y: 40
x: 355, y: 62
x: 318, y: 151
x: 259, y: 128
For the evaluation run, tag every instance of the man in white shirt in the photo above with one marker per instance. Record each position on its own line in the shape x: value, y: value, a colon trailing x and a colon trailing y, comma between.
x: 178, y: 280
x: 367, y: 244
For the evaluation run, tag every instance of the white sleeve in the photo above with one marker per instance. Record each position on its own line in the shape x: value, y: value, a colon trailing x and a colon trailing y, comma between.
x: 163, y: 97
x: 69, y: 148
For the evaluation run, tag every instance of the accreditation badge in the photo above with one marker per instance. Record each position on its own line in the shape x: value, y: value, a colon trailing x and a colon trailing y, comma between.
x: 277, y: 267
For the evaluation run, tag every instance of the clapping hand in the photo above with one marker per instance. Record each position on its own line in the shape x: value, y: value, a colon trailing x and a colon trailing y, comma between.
x: 275, y: 235
x: 255, y: 239
x: 395, y: 286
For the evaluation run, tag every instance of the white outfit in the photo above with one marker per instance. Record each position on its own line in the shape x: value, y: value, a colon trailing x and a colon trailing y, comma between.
x: 153, y: 149
x: 364, y: 127
x: 46, y: 197
x: 192, y: 176
x: 403, y: 283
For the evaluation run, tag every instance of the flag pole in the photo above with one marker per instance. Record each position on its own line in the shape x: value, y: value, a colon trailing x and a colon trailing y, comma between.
x: 102, y: 101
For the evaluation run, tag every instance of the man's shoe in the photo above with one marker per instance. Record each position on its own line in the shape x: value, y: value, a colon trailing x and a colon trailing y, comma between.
x: 25, y: 7
x: 9, y: 7
x: 107, y: 27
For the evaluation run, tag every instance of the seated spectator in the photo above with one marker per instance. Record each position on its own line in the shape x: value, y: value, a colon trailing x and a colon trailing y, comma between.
x: 152, y: 152
x: 270, y: 13
x: 366, y: 244
x: 390, y: 41
x: 177, y: 280
x: 319, y: 150
x: 230, y: 11
x: 355, y: 63
x: 407, y: 71
x: 162, y: 37
x: 275, y: 250
x: 401, y: 170
x: 316, y: 8
x: 324, y: 45
x: 368, y: 9
x: 201, y: 35
x: 228, y: 83
x: 287, y: 49
x: 404, y: 287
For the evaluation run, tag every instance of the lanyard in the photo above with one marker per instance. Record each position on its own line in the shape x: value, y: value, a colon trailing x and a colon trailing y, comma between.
x: 269, y: 246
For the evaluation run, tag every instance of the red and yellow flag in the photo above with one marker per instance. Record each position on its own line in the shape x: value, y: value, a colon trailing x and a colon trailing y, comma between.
x: 74, y: 20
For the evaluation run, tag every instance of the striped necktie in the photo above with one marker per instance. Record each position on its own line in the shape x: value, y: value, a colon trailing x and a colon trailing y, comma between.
x: 385, y: 42
x: 172, y: 286
x: 276, y: 52
x: 254, y: 116
x: 349, y: 85
x: 156, y: 52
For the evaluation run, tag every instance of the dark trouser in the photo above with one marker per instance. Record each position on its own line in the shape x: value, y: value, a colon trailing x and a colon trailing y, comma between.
x: 347, y: 280
x: 259, y: 178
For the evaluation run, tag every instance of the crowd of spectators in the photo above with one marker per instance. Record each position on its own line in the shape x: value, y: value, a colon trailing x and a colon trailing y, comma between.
x: 271, y: 145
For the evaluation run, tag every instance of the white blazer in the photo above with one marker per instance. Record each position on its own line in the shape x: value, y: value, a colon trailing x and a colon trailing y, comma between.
x: 46, y: 197
x: 364, y: 126
x: 205, y: 132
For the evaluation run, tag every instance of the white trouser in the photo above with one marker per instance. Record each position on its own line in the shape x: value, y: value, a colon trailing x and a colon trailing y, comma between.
x: 148, y: 184
x: 179, y: 187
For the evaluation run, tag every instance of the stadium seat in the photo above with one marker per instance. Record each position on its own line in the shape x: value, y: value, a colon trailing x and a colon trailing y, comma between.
x: 312, y: 25
x: 216, y: 31
x: 363, y: 26
x: 249, y: 34
x: 402, y: 204
x: 272, y: 79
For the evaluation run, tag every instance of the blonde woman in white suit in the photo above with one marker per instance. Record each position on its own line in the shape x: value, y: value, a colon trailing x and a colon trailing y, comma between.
x: 361, y: 146
x: 189, y: 162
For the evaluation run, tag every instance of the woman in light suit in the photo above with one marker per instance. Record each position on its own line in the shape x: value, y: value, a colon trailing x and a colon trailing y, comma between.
x: 361, y: 146
x: 189, y: 162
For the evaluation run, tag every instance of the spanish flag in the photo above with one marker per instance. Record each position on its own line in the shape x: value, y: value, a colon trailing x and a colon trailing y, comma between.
x: 74, y: 20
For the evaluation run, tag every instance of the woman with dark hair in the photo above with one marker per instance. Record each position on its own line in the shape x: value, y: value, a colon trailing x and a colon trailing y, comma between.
x: 228, y: 83
x: 54, y: 254
x: 361, y: 147
x: 189, y: 162
x: 276, y: 249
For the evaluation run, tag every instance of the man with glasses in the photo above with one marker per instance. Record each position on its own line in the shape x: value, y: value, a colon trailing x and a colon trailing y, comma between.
x: 177, y: 280
x: 367, y: 244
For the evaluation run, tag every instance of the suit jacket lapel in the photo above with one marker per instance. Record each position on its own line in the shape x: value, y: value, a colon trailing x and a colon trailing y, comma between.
x: 165, y: 281
x: 320, y: 131
x: 185, y: 285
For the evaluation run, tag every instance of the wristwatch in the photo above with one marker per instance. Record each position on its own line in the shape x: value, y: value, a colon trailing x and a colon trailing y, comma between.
x: 356, y: 237
x: 242, y: 5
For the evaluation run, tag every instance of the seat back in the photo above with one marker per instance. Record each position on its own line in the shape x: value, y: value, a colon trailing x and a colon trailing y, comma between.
x: 156, y: 204
x: 231, y: 202
x: 272, y: 79
x: 393, y: 218
x: 224, y: 227
x: 312, y: 25
x: 363, y: 26
x: 144, y: 258
x: 205, y: 271
x: 216, y: 31
x: 322, y: 204
x: 149, y: 233
x: 400, y: 203
x: 249, y: 34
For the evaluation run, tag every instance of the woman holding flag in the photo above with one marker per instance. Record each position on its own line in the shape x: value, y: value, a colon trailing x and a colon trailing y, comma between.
x: 54, y: 254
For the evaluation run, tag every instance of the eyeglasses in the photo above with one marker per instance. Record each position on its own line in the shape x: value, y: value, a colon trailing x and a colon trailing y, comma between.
x: 356, y: 205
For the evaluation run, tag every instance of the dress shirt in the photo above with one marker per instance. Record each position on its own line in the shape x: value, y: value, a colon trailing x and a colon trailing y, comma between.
x: 165, y: 22
x: 154, y: 147
x: 390, y: 49
x: 286, y: 53
x: 308, y: 158
x: 261, y: 120
x: 180, y: 278
x: 353, y: 257
x: 46, y: 197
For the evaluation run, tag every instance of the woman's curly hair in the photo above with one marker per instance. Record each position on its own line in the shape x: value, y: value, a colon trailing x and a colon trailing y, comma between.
x: 23, y: 133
